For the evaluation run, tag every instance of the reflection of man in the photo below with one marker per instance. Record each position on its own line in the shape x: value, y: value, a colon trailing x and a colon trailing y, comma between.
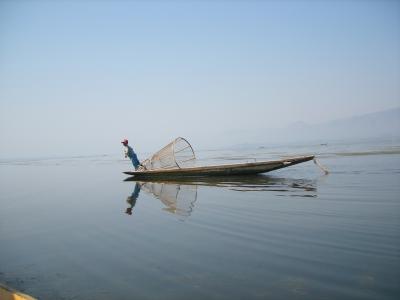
x: 132, y: 199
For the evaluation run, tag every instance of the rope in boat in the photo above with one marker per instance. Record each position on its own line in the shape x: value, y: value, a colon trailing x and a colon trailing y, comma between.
x: 325, y: 170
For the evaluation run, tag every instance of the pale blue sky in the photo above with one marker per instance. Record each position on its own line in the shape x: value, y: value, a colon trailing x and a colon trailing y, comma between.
x: 76, y: 77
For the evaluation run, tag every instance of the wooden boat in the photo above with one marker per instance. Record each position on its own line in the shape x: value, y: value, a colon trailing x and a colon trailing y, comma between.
x: 221, y: 170
x: 7, y: 293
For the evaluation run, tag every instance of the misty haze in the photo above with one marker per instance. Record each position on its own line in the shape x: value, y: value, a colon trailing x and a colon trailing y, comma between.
x: 200, y: 150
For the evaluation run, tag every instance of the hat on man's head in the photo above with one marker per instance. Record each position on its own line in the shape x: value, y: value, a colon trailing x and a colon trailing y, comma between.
x: 125, y: 142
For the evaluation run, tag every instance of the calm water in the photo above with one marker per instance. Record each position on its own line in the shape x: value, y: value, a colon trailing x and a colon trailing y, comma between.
x: 74, y: 229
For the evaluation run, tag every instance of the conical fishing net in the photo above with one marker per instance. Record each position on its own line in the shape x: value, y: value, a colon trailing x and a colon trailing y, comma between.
x: 176, y: 155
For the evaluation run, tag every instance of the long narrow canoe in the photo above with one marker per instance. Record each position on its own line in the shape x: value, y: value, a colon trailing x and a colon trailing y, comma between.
x: 222, y: 170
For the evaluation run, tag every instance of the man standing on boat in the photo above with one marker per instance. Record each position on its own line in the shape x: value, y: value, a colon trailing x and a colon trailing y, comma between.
x: 131, y: 154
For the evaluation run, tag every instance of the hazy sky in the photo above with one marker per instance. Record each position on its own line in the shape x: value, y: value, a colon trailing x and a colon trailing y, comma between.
x: 76, y: 77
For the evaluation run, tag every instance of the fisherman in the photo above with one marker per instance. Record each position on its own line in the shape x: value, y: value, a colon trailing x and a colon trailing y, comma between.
x: 131, y: 154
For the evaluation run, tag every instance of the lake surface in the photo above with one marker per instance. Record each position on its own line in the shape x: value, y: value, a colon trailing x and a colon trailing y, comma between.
x: 72, y: 228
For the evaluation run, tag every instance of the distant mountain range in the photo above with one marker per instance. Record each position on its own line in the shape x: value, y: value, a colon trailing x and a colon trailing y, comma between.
x: 383, y: 124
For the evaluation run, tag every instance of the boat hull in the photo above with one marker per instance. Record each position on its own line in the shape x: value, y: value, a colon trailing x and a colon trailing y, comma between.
x: 222, y: 170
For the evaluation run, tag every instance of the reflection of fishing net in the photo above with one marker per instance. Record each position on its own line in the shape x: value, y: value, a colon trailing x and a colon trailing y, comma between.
x: 179, y: 199
x: 177, y: 154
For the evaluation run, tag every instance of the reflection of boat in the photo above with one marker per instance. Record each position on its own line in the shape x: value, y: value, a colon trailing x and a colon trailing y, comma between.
x: 178, y: 198
x: 248, y: 183
x: 221, y: 170
x: 180, y: 194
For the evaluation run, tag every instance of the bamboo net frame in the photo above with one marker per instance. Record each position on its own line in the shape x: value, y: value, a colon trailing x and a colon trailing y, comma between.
x: 176, y: 155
